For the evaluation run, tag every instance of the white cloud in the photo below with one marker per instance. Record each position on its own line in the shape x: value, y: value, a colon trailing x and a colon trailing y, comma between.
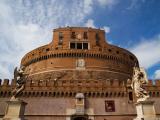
x: 90, y: 23
x: 107, y: 29
x: 27, y: 24
x: 148, y: 52
x: 107, y: 3
x: 88, y: 6
x: 157, y: 74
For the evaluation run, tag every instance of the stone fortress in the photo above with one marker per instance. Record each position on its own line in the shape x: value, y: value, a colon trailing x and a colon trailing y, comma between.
x: 78, y: 76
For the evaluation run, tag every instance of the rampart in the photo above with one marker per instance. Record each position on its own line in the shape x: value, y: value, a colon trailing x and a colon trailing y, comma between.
x: 68, y: 88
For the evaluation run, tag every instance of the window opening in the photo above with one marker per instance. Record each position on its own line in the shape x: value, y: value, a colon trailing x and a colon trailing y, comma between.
x: 73, y: 35
x: 97, y: 39
x: 85, y: 36
x: 60, y: 38
x: 79, y: 45
x: 85, y: 45
x: 72, y: 45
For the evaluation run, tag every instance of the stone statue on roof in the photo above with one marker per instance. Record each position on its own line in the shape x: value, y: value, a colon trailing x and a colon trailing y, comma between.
x: 20, y: 78
x: 139, y: 79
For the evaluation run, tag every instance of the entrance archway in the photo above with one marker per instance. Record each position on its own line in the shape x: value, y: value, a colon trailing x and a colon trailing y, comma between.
x: 79, y: 117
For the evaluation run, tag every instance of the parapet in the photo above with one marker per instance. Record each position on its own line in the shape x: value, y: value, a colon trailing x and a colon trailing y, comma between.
x: 107, y: 82
x: 108, y: 87
x: 154, y: 82
x: 157, y: 82
x: 7, y: 82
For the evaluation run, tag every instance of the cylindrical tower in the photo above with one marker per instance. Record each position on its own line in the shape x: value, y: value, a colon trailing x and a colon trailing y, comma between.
x: 79, y: 53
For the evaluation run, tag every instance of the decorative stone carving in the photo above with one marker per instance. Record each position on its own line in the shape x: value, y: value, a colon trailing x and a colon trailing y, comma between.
x: 20, y: 78
x: 80, y: 64
x: 139, y: 79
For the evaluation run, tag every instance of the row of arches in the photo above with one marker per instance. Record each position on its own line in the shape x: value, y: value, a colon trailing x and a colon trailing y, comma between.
x: 77, y: 55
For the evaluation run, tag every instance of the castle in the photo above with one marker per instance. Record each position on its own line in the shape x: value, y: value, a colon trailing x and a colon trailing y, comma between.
x: 78, y: 76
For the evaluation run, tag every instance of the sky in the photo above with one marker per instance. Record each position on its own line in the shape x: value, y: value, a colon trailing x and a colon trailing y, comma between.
x: 130, y: 24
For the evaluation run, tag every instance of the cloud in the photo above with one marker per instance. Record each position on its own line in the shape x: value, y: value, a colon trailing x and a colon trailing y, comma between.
x: 27, y: 24
x: 135, y: 4
x: 88, y: 5
x: 107, y: 3
x: 148, y: 51
x: 90, y: 23
x: 157, y: 74
x: 107, y: 29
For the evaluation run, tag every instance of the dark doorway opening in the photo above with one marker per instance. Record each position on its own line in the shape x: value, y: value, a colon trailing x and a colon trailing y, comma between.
x: 79, y: 117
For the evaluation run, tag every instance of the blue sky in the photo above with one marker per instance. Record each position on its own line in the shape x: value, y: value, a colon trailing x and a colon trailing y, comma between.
x: 131, y: 24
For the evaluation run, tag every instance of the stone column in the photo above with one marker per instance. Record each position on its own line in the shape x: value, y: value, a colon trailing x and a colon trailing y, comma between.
x: 15, y: 110
x: 145, y: 110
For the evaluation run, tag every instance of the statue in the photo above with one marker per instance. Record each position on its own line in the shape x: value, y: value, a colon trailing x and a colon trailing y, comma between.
x: 20, y: 78
x: 138, y: 80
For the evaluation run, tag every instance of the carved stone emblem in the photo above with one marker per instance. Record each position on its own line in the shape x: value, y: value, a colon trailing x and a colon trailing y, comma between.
x: 80, y: 63
x: 79, y: 36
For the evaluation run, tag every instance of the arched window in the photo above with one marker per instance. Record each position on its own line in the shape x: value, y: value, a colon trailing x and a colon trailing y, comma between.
x: 85, y: 35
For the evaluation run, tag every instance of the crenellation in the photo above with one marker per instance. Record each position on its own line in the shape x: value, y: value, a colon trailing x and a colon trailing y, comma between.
x: 116, y: 83
x: 6, y: 82
x: 13, y: 83
x: 111, y: 83
x: 50, y: 83
x: 150, y: 83
x: 42, y: 83
x: 28, y: 83
x: 157, y: 82
x: 108, y: 83
x: 34, y: 83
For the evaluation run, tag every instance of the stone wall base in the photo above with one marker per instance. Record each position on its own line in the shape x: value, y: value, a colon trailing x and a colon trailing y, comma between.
x: 15, y: 110
x: 145, y: 111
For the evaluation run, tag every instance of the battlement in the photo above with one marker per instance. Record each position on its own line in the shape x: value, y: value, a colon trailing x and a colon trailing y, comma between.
x: 7, y: 83
x: 91, y: 88
x: 47, y: 83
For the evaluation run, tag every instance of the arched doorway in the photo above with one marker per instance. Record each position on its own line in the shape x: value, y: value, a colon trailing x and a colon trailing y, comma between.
x: 79, y: 117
